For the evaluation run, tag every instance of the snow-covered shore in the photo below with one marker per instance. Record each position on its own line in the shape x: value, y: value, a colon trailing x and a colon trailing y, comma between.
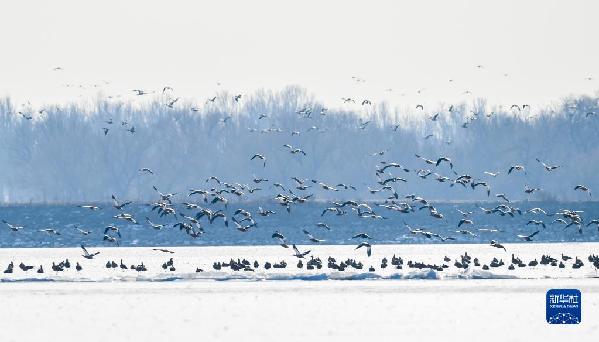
x: 187, y: 260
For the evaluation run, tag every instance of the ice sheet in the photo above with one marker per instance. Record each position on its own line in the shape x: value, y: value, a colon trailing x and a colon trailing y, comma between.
x: 386, y: 310
x: 186, y: 260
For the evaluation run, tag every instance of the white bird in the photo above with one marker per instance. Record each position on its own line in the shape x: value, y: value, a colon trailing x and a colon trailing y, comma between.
x: 126, y: 217
x: 323, y: 225
x: 465, y: 221
x: 154, y: 225
x: 466, y: 232
x: 13, y: 227
x: 536, y: 223
x: 528, y: 237
x: 50, y: 231
x: 549, y: 168
x: 139, y: 92
x: 465, y: 213
x: 110, y: 239
x: 537, y: 211
x: 311, y: 237
x: 84, y: 232
x: 117, y: 205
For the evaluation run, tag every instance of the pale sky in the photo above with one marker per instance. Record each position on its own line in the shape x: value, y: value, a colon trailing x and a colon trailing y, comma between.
x: 546, y: 48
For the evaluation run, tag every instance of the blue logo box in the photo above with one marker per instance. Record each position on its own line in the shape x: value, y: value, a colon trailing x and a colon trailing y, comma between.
x: 563, y: 306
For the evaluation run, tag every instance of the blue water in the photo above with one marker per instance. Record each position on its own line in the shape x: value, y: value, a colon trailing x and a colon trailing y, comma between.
x: 63, y: 218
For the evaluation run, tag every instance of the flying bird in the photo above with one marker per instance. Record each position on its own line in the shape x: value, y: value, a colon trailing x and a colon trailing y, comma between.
x: 311, y: 237
x: 50, y: 231
x: 465, y: 221
x: 361, y: 236
x: 87, y: 254
x: 84, y: 232
x: 13, y: 227
x: 497, y: 245
x: 528, y: 237
x: 368, y: 247
x: 547, y: 167
x: 146, y: 170
x: 515, y: 167
x: 323, y: 225
x: 259, y: 156
x: 445, y: 159
x: 163, y: 250
x: 583, y: 189
x: 171, y: 103
x: 154, y: 225
x: 117, y: 205
x: 536, y: 223
x: 299, y: 254
x: 139, y: 92
x: 502, y: 196
x: 90, y: 207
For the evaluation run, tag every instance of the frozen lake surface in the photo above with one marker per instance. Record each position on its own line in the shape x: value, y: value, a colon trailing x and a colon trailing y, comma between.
x: 387, y: 262
x: 101, y: 304
x: 485, y: 310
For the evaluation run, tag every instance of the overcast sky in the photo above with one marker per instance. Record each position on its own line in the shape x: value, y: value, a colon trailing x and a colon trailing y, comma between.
x: 546, y: 48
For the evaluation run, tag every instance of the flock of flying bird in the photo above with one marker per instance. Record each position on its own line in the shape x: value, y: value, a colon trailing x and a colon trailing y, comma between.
x: 209, y: 204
